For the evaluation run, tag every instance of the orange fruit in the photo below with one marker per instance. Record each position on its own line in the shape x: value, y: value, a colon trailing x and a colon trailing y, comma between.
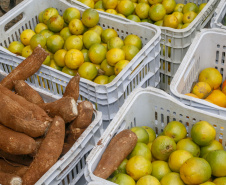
x: 142, y: 10
x: 54, y: 43
x: 188, y: 17
x: 133, y: 18
x: 214, y: 145
x: 217, y: 97
x: 99, y: 5
x: 208, y: 183
x: 36, y: 40
x: 201, y: 6
x: 130, y: 51
x: 195, y: 171
x: 201, y: 89
x: 88, y: 71
x: 141, y: 149
x: 73, y: 42
x: 115, y: 42
x: 39, y: 27
x: 223, y: 87
x: 122, y: 178
x: 192, y: 95
x: 111, y: 78
x: 109, y: 4
x: 212, y: 76
x: 26, y: 51
x: 40, y: 19
x: 90, y: 37
x: 169, y: 5
x: 76, y: 27
x: 125, y: 7
x: 141, y: 134
x: 121, y: 168
x: 133, y: 40
x: 90, y: 18
x: 102, y: 79
x: 69, y: 71
x: 71, y: 13
x: 220, y: 181
x: 46, y: 33
x: 89, y: 3
x: 108, y: 34
x: 172, y: 178
x: 55, y: 66
x: 151, y: 2
x: 74, y: 59
x: 97, y: 53
x: 85, y: 54
x: 157, y: 12
x: 59, y: 57
x: 55, y: 23
x: 179, y: 16
x: 47, y: 13
x: 160, y: 169
x: 115, y: 55
x: 159, y: 23
x: 65, y: 33
x: 47, y: 61
x: 26, y: 35
x: 108, y: 70
x: 188, y: 145
x: 97, y: 29
x: 151, y: 133
x: 120, y: 66
x: 203, y: 133
x: 190, y: 7
x: 185, y: 25
x: 111, y: 11
x: 170, y: 21
x: 148, y: 180
x: 178, y: 8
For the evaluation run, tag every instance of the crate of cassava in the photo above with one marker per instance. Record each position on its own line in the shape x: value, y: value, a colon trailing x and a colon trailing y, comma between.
x: 207, y: 51
x: 219, y: 20
x: 174, y: 42
x: 153, y: 108
x: 50, y: 137
x: 142, y: 70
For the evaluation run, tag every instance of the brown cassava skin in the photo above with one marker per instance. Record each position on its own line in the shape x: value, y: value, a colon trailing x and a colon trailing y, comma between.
x: 20, y: 159
x: 37, y: 112
x: 10, y: 179
x: 48, y: 153
x: 16, y: 117
x: 72, y: 88
x: 26, y: 91
x: 73, y: 134
x: 85, y: 114
x: 119, y: 148
x: 38, y: 142
x: 66, y: 148
x: 12, y: 168
x: 26, y: 68
x: 65, y: 107
x: 15, y: 143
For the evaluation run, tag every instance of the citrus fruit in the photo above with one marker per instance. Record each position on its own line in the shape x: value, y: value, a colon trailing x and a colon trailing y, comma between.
x: 108, y: 70
x: 76, y: 27
x: 162, y: 147
x: 99, y: 5
x: 130, y: 51
x: 46, y: 33
x: 212, y: 76
x: 190, y: 7
x: 54, y: 43
x: 108, y: 34
x: 214, y: 145
x: 74, y: 59
x: 217, y: 161
x: 185, y: 25
x: 47, y: 61
x: 138, y: 166
x: 121, y: 15
x: 170, y: 21
x: 151, y: 2
x: 189, y: 145
x: 159, y: 23
x: 201, y: 89
x: 141, y: 149
x: 109, y: 4
x: 123, y: 179
x: 115, y: 42
x: 125, y: 7
x: 133, y: 40
x: 115, y: 55
x: 149, y: 145
x: 121, y: 168
x: 142, y: 10
x: 147, y: 20
x: 55, y: 23
x: 172, y: 178
x: 54, y: 65
x: 90, y: 17
x: 175, y: 130
x: 157, y: 12
x: 179, y: 16
x: 26, y: 51
x: 179, y: 8
x: 26, y: 35
x: 111, y: 11
x: 97, y: 53
x: 201, y: 6
x: 40, y: 20
x: 97, y: 29
x: 69, y: 71
x: 59, y: 57
x: 88, y: 71
x: 208, y: 183
x: 133, y: 18
x: 148, y: 180
x: 177, y: 158
x: 89, y: 3
x: 160, y: 169
x: 220, y: 181
x: 39, y: 27
x: 65, y: 33
x: 73, y: 42
x: 111, y: 78
x: 49, y: 12
x: 195, y: 171
x: 141, y: 133
x: 101, y: 79
x: 71, y: 13
x: 203, y: 133
x: 169, y: 5
x: 192, y: 95
x: 223, y: 87
x: 151, y: 133
x: 85, y: 54
x: 188, y: 17
x: 98, y: 67
x: 36, y: 40
x: 217, y: 97
x: 90, y: 37
x: 120, y: 65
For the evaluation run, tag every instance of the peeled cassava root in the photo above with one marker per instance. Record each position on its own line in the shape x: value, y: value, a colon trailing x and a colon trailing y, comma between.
x: 48, y: 154
x: 26, y: 68
x: 119, y: 148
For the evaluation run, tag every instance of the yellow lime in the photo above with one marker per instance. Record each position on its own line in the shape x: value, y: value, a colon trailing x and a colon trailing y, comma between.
x: 151, y: 2
x: 109, y: 4
x: 133, y: 40
x: 170, y: 21
x: 47, y: 61
x: 49, y: 12
x: 76, y: 27
x: 190, y: 7
x: 142, y: 10
x: 26, y: 35
x: 122, y: 178
x: 99, y: 5
x: 73, y: 42
x: 111, y: 11
x: 65, y: 33
x: 108, y: 34
x: 69, y: 71
x: 141, y: 149
x: 97, y: 53
x: 54, y: 65
x: 88, y: 70
x: 54, y: 43
x: 90, y: 18
x: 151, y: 133
x: 214, y: 145
x: 102, y: 79
x: 108, y: 70
x: 85, y: 54
x: 157, y: 12
x: 148, y: 180
x: 179, y: 16
x: 39, y: 27
x: 111, y: 78
x: 90, y: 37
x: 119, y: 66
x: 141, y: 133
x: 97, y: 29
x: 55, y: 23
x: 130, y: 51
x: 133, y: 18
x: 74, y: 59
x: 121, y: 168
x: 36, y: 40
x: 160, y: 169
x: 125, y: 7
x: 189, y: 145
x: 115, y: 42
x: 188, y: 17
x: 59, y: 57
x: 115, y: 55
x: 220, y: 181
x: 201, y: 6
x: 46, y: 33
x: 172, y: 178
x: 71, y: 13
x: 40, y: 20
x: 89, y: 3
x: 27, y: 51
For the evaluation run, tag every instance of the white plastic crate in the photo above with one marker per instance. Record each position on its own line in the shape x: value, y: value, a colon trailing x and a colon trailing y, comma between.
x: 180, y: 39
x: 154, y: 108
x: 218, y: 20
x: 143, y: 70
x: 70, y: 167
x: 207, y: 50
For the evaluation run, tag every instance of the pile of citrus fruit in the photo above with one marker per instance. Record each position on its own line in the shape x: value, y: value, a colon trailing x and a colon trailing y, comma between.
x: 78, y: 44
x: 159, y: 12
x: 172, y: 158
x: 210, y: 87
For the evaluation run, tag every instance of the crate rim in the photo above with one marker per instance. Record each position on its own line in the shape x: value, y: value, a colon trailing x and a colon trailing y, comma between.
x: 214, y: 22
